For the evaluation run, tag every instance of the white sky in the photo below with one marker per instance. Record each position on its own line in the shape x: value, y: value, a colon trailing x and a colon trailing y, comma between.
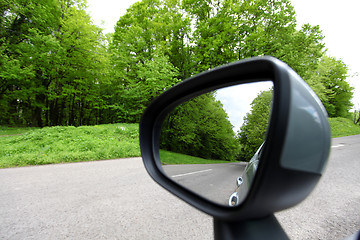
x: 108, y: 11
x: 339, y: 21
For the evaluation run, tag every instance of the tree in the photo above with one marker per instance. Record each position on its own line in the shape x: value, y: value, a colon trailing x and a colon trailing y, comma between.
x: 153, y: 77
x: 50, y: 61
x: 57, y: 68
x: 304, y: 51
x: 74, y: 96
x: 225, y: 31
x: 337, y: 92
x: 200, y: 127
x: 198, y: 35
x: 253, y: 131
x: 147, y: 42
x: 214, y: 35
x: 26, y: 26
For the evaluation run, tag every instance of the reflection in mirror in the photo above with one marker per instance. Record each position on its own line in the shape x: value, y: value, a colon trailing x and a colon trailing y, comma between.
x: 212, y: 143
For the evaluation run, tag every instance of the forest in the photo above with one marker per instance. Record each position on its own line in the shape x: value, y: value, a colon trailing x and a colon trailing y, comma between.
x: 59, y: 69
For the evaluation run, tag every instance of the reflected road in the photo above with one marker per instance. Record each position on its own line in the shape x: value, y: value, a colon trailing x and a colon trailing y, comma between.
x: 213, y: 181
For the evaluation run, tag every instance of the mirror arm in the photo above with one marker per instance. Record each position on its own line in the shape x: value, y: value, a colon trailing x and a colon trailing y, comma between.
x: 249, y: 229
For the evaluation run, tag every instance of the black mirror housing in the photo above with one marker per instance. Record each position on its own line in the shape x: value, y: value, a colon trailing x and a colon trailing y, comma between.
x: 296, y: 147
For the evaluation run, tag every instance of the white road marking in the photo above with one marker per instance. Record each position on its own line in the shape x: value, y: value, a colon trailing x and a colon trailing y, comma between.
x: 336, y: 146
x: 190, y: 173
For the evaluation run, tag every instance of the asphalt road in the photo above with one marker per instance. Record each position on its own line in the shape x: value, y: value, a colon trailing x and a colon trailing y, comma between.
x: 213, y: 181
x: 116, y: 199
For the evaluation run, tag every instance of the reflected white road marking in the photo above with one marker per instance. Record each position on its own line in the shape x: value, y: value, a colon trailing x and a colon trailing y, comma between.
x: 190, y: 173
x: 336, y: 146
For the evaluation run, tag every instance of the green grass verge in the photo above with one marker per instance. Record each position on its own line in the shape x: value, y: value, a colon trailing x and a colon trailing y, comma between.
x: 341, y: 127
x: 168, y: 158
x: 68, y: 144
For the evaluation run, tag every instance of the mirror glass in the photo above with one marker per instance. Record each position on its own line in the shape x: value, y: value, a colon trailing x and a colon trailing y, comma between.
x: 211, y: 144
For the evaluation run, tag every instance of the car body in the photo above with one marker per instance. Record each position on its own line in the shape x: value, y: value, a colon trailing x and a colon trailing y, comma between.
x: 244, y: 182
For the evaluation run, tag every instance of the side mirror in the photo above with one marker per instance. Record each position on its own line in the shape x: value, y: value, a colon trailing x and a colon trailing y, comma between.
x: 296, y: 145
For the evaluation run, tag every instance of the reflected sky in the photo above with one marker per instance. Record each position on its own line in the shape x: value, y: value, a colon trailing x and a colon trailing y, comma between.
x: 236, y: 100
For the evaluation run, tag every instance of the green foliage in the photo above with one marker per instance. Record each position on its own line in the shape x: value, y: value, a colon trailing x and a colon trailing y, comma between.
x: 143, y: 65
x: 51, y: 64
x: 58, y: 68
x: 70, y: 144
x: 253, y: 131
x: 200, y: 128
x: 153, y: 76
x: 335, y: 92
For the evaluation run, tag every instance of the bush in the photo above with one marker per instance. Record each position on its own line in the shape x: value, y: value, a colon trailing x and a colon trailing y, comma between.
x: 70, y: 144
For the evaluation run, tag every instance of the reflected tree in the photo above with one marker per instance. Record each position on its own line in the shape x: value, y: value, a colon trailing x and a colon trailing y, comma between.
x: 200, y: 128
x: 253, y: 131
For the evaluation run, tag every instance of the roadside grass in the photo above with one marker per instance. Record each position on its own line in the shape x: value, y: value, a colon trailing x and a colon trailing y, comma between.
x: 341, y: 127
x: 168, y: 158
x: 68, y: 144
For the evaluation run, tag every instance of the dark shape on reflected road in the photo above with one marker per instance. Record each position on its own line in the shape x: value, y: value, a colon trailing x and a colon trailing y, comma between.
x: 244, y: 182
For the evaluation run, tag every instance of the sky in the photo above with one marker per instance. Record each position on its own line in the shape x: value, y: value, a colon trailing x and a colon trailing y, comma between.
x: 339, y: 21
x: 108, y: 11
